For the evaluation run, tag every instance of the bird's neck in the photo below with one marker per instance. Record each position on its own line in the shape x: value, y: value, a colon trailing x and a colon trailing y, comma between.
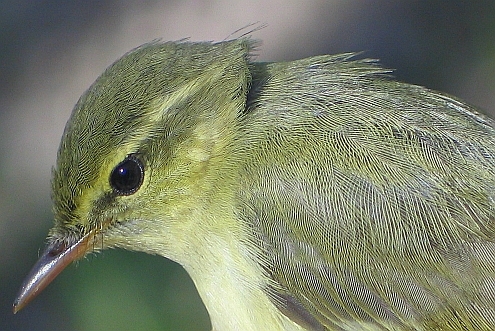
x: 231, y: 286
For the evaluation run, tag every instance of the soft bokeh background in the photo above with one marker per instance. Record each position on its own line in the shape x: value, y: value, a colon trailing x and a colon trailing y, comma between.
x: 51, y: 51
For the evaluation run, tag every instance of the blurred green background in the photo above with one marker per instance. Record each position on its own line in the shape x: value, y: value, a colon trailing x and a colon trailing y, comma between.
x: 51, y: 51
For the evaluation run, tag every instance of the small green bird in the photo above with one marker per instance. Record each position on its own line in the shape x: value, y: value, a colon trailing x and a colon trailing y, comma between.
x: 316, y: 194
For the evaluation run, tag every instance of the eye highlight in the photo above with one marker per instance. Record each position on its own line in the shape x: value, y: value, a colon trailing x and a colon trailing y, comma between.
x: 127, y: 176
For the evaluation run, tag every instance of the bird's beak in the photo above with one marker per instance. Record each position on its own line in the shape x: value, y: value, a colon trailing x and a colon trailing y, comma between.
x: 54, y: 259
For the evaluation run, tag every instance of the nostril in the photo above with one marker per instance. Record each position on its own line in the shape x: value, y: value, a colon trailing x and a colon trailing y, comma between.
x: 57, y: 248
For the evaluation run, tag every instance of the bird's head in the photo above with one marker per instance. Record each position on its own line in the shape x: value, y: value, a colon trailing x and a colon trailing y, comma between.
x: 140, y: 158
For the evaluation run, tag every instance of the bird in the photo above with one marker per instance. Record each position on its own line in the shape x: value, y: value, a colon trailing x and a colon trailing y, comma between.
x: 314, y: 194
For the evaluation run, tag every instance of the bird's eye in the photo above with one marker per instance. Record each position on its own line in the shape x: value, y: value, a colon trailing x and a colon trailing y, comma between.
x: 127, y: 176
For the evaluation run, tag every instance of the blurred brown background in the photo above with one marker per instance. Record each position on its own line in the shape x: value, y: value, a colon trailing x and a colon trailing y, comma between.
x: 51, y: 51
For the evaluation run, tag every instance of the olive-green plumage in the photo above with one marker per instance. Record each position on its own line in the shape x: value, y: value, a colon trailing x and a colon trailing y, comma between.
x: 316, y: 194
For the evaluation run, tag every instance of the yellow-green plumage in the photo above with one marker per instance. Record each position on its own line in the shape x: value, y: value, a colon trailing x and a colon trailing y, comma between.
x: 316, y: 194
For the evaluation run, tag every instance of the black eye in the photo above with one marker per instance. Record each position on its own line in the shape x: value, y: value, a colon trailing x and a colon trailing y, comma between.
x: 127, y: 176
